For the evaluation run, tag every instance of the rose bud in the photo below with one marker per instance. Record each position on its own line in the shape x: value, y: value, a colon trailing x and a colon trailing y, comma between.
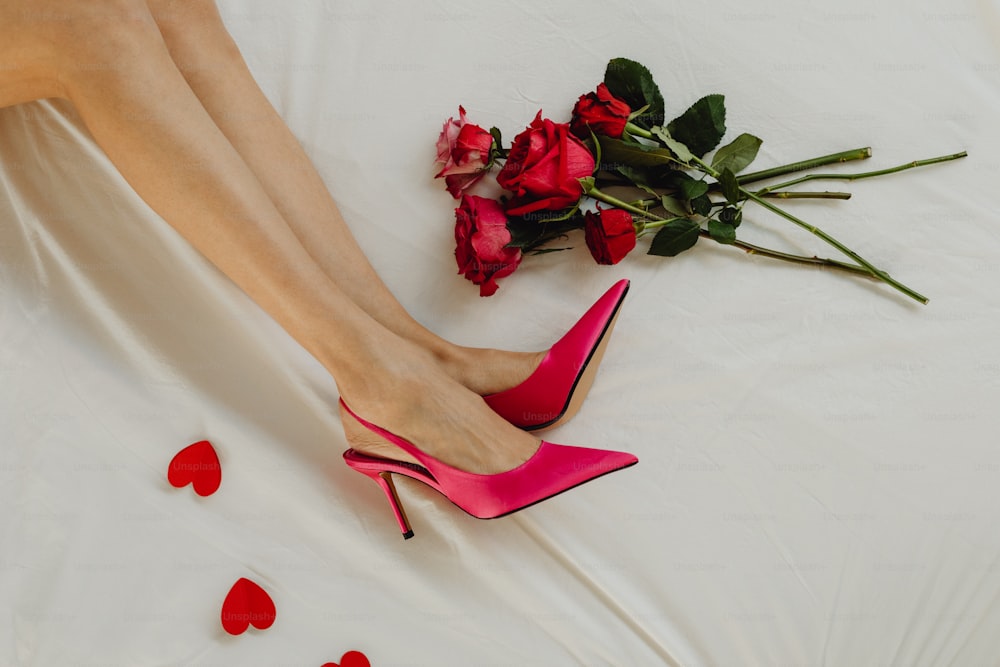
x: 602, y: 112
x: 610, y: 234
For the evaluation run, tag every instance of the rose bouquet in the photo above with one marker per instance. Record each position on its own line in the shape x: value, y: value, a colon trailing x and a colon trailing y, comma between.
x: 619, y: 171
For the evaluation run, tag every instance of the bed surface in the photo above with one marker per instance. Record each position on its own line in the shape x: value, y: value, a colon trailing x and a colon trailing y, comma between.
x: 819, y: 462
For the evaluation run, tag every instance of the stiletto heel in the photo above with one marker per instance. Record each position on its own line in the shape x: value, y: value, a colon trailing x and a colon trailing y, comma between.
x: 384, y: 480
x: 555, y: 391
x: 552, y: 470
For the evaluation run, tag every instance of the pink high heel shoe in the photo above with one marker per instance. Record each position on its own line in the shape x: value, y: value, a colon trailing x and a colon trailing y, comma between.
x: 555, y: 391
x: 550, y: 471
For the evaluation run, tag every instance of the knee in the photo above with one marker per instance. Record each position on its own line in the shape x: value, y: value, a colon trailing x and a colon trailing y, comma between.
x: 105, y: 35
x: 190, y: 27
x: 181, y: 13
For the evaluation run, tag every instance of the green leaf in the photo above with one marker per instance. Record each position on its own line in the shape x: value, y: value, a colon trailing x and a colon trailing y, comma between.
x: 587, y: 184
x: 616, y: 152
x: 637, y: 177
x: 674, y: 238
x: 529, y: 233
x: 632, y: 82
x: 673, y: 205
x: 702, y: 126
x: 722, y: 232
x: 737, y: 154
x: 497, y: 139
x: 730, y: 187
x: 701, y: 205
x: 677, y: 148
x: 731, y: 215
x: 689, y: 188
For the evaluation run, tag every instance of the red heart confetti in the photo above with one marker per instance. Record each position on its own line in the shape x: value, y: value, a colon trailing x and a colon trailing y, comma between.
x: 197, y: 465
x: 247, y: 604
x: 351, y: 659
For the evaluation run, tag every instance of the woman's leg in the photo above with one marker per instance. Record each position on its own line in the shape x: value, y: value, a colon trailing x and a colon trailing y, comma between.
x: 111, y: 62
x: 213, y: 67
x: 27, y: 65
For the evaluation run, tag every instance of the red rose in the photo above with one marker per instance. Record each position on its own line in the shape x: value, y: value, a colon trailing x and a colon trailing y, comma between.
x: 481, y: 237
x: 602, y: 112
x: 610, y: 234
x: 463, y: 150
x: 543, y: 166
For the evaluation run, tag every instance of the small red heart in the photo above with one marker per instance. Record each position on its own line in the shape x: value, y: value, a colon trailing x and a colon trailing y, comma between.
x: 197, y: 465
x: 351, y: 659
x: 247, y: 604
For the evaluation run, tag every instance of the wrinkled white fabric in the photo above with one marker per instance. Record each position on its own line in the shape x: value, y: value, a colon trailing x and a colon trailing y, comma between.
x: 818, y: 476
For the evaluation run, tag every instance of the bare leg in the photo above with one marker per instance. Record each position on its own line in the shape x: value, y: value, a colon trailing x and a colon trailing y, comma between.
x: 213, y: 67
x: 111, y: 62
x: 27, y: 64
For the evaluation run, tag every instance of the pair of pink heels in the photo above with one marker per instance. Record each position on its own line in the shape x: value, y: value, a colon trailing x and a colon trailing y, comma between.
x: 550, y: 396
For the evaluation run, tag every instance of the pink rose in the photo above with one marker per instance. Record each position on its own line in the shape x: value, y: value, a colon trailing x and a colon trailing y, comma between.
x: 481, y: 237
x: 463, y: 151
x: 543, y: 168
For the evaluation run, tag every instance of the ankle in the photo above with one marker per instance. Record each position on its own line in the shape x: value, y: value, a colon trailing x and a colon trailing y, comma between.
x: 373, y: 379
x: 487, y: 371
x: 455, y: 360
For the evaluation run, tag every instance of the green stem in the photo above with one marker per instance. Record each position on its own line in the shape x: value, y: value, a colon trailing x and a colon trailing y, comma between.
x: 874, y: 271
x: 833, y: 158
x: 657, y: 221
x: 618, y: 203
x: 631, y: 128
x: 866, y: 174
x: 752, y: 249
x: 804, y: 195
x: 776, y: 195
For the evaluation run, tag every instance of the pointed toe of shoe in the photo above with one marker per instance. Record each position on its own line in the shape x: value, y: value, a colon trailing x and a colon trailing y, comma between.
x: 557, y: 387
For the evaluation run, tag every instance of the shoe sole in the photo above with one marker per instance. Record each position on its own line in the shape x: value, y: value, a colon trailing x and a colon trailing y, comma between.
x: 584, y: 381
x: 375, y: 463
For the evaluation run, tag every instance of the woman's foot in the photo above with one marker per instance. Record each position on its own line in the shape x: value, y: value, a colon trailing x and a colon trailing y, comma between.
x: 408, y: 393
x: 486, y: 371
